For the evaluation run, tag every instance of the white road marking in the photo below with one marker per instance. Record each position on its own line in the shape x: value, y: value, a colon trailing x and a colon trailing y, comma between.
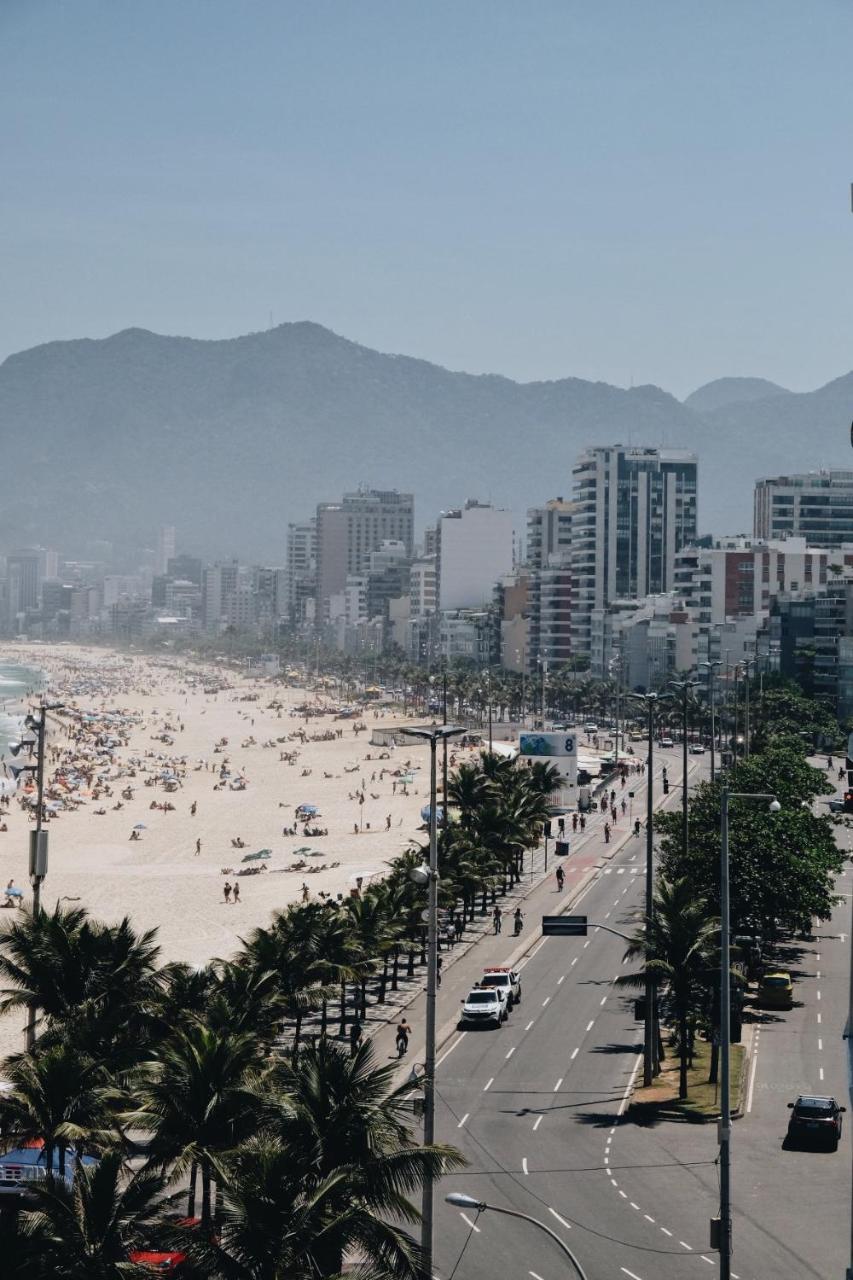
x: 620, y: 871
x: 471, y: 1224
x: 666, y: 1233
x: 537, y: 1123
x: 448, y: 1052
x: 629, y: 1086
x: 535, y: 1275
x: 557, y: 1085
x: 603, y: 1000
x: 597, y: 928
x: 574, y: 1055
x: 575, y: 960
x: 606, y: 916
x: 560, y: 981
x: 632, y: 1274
x: 524, y: 1169
x: 530, y: 1024
x: 819, y: 1019
x: 685, y: 1245
x: 510, y: 1052
x: 464, y: 1118
x: 648, y: 1217
x: 751, y: 1086
x: 819, y: 1043
x: 590, y: 1025
x: 562, y: 1221
x: 622, y: 1194
x: 820, y: 1072
x: 634, y: 1206
x: 547, y: 1000
x: 818, y: 995
x: 817, y: 975
x: 586, y: 944
x: 708, y: 1260
x: 488, y: 1084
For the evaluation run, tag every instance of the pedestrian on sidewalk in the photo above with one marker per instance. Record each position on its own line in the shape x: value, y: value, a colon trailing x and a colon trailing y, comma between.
x: 439, y: 960
x: 607, y: 833
x: 518, y: 921
x: 497, y: 919
x: 583, y: 822
x: 458, y: 925
x: 354, y: 1037
x: 561, y: 824
x: 574, y: 822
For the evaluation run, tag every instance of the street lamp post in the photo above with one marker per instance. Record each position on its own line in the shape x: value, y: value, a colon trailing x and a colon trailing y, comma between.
x: 725, y: 1026
x: 469, y: 1202
x: 429, y: 876
x: 711, y: 666
x: 649, y: 700
x: 683, y: 688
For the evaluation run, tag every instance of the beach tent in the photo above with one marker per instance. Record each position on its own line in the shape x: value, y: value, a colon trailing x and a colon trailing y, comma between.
x: 254, y: 857
x: 308, y: 809
x: 439, y: 813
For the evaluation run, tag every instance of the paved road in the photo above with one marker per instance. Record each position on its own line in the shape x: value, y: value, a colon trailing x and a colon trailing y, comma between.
x: 535, y: 1108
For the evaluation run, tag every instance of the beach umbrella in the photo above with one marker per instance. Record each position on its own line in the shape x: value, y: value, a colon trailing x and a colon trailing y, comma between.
x: 306, y: 808
x: 253, y: 857
x: 140, y: 826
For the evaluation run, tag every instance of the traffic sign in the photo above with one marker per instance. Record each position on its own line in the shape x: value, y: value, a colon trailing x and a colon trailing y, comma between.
x: 564, y: 926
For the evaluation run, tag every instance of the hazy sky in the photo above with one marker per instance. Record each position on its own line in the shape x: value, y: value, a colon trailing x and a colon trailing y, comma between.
x: 644, y: 191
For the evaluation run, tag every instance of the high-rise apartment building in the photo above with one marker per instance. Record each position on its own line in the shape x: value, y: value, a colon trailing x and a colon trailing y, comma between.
x: 817, y: 505
x: 349, y: 530
x: 634, y: 509
x: 738, y: 577
x: 475, y: 548
x: 549, y: 557
x: 165, y: 548
x: 300, y: 568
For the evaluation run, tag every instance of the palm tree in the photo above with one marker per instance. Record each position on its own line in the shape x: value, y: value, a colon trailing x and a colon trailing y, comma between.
x: 342, y: 1112
x: 197, y: 1099
x: 677, y: 944
x: 57, y: 1097
x: 292, y: 949
x: 86, y: 1231
x: 467, y: 788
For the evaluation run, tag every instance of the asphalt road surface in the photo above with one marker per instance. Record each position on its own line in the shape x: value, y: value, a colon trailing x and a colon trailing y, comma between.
x: 536, y: 1108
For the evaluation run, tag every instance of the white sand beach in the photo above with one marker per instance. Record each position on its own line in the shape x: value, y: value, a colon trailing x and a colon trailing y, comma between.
x: 133, y: 703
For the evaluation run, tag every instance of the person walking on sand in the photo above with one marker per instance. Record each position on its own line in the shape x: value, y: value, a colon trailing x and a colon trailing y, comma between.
x: 193, y: 808
x: 236, y: 893
x: 197, y: 847
x: 306, y: 892
x: 226, y: 891
x: 388, y: 823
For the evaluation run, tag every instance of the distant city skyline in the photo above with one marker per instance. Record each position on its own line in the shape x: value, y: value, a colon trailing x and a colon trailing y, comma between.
x: 619, y: 193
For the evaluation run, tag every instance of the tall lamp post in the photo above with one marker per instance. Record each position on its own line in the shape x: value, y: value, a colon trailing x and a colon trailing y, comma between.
x: 711, y: 666
x: 725, y: 1025
x: 649, y: 700
x: 682, y: 688
x: 38, y: 837
x: 468, y: 1202
x: 428, y: 875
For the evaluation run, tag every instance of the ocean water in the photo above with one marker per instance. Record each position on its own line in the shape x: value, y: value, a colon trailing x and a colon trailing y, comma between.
x: 15, y: 684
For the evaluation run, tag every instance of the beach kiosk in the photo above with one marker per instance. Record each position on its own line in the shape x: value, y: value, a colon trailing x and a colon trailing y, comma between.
x: 559, y: 749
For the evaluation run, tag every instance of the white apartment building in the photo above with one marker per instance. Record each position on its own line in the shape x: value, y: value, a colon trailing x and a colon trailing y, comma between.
x: 300, y: 566
x: 423, y: 594
x: 549, y: 557
x: 475, y: 548
x: 635, y: 508
x: 817, y: 505
x: 738, y: 577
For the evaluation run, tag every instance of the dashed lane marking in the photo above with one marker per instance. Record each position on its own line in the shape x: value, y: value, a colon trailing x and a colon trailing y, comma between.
x: 530, y: 1024
x: 488, y: 1084
x: 666, y: 1233
x: 632, y: 1274
x: 448, y: 1052
x: 537, y: 1123
x: 562, y: 1221
x: 524, y: 1168
x: 464, y: 1118
x: 603, y: 1000
x: 574, y: 1055
x: 510, y: 1052
x: 471, y: 1224
x: 560, y: 981
x: 547, y: 1000
x: 590, y: 1024
x: 685, y: 1245
x: 557, y: 1085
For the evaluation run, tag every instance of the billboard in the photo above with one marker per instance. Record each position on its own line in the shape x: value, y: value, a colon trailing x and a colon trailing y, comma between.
x: 547, y: 744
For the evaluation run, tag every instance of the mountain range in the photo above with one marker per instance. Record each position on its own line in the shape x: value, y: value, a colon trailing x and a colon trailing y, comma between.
x: 229, y: 440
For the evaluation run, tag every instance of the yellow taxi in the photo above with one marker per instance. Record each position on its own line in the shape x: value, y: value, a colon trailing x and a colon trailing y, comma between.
x: 776, y: 990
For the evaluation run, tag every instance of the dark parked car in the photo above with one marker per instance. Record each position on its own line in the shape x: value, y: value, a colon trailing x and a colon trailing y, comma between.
x: 815, y: 1120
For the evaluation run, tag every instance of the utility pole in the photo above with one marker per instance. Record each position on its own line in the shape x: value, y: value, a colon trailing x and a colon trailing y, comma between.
x: 38, y: 837
x: 428, y: 876
x: 649, y: 700
x: 711, y: 666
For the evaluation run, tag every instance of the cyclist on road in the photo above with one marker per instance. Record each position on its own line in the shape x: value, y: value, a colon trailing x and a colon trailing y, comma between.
x: 560, y: 874
x: 403, y: 1033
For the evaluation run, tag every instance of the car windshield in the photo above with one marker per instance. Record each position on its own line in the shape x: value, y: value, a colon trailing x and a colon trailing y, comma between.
x: 482, y: 997
x: 776, y: 982
x: 495, y: 979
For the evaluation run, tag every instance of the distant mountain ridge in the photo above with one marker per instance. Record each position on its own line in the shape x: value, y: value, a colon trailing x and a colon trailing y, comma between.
x: 229, y: 440
x: 724, y: 392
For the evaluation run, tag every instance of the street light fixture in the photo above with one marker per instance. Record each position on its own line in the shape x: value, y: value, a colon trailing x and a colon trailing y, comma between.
x: 725, y: 1024
x: 468, y: 1202
x: 428, y: 875
x: 711, y: 666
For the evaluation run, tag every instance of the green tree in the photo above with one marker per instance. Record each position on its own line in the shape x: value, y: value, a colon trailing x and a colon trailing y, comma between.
x: 677, y: 946
x: 782, y: 865
x: 57, y: 1097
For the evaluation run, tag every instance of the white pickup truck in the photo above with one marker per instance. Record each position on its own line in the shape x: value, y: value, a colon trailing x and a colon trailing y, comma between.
x: 482, y: 1008
x: 502, y: 978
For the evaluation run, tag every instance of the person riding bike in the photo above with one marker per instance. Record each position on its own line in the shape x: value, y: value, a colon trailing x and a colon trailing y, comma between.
x: 403, y: 1033
x: 560, y: 874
